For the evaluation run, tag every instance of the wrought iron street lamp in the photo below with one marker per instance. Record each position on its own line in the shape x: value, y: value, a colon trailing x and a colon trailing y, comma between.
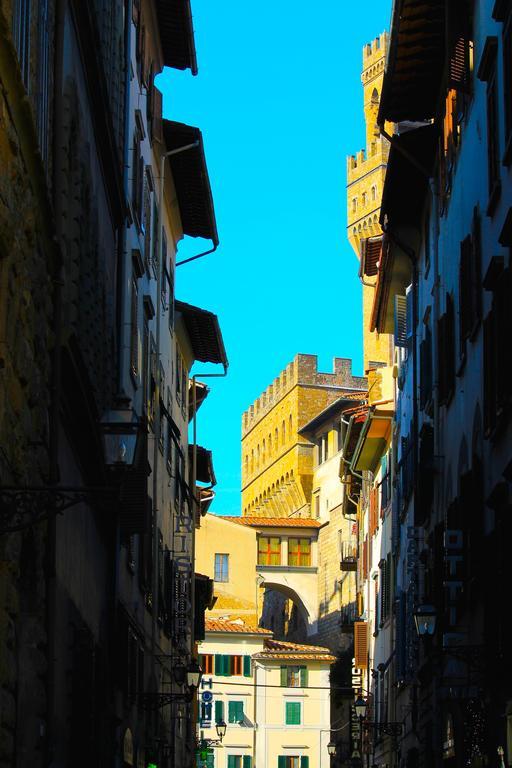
x: 360, y: 707
x: 120, y: 428
x: 331, y: 748
x: 425, y: 620
x: 22, y: 507
x: 189, y: 677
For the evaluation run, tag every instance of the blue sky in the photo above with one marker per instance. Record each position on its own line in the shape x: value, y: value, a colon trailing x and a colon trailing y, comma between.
x: 279, y: 100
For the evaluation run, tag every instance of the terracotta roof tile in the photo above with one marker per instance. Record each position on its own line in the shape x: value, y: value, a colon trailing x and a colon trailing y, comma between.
x: 274, y: 522
x: 285, y: 646
x: 225, y: 625
x: 282, y: 649
x: 295, y: 656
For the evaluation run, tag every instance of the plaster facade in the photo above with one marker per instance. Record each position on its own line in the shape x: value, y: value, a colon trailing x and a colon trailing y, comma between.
x: 236, y: 597
x: 262, y: 735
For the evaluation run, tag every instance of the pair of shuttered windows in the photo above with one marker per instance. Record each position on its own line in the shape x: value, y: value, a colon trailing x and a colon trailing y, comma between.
x: 225, y: 665
x: 239, y: 761
x: 294, y: 677
x: 292, y: 761
x: 235, y: 711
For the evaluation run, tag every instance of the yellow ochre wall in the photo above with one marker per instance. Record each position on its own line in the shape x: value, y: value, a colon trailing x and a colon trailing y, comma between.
x: 366, y: 172
x: 236, y: 598
x: 277, y: 463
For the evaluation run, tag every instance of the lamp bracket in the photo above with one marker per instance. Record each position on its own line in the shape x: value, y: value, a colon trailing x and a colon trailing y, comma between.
x: 23, y: 507
x: 154, y: 701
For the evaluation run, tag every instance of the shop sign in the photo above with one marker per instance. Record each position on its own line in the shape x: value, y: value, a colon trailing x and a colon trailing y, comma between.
x: 182, y: 605
x: 128, y: 747
x: 454, y: 565
x: 355, y: 734
x: 206, y: 701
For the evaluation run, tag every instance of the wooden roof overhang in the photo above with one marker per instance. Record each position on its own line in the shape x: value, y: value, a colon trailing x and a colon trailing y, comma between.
x: 177, y: 34
x: 415, y: 65
x: 191, y: 180
x: 204, y: 333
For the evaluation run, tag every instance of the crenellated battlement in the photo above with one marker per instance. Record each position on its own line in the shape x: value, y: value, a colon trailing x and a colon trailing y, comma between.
x: 375, y: 52
x: 303, y: 370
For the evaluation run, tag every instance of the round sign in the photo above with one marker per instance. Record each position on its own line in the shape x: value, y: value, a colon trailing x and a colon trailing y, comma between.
x: 207, y: 696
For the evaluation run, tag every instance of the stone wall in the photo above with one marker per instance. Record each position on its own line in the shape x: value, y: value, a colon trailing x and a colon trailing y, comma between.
x: 27, y: 262
x: 277, y: 463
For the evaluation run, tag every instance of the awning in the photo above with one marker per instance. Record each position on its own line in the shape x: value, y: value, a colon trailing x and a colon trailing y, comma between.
x: 204, y: 333
x: 338, y: 408
x: 204, y: 599
x: 201, y: 395
x: 415, y: 64
x: 204, y: 464
x: 394, y: 276
x: 370, y: 255
x: 177, y: 34
x: 373, y: 439
x: 405, y: 185
x: 191, y: 180
x: 206, y: 496
x: 355, y: 424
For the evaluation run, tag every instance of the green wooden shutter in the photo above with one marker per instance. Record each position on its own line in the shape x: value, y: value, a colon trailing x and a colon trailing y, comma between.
x: 239, y: 711
x: 281, y: 761
x: 219, y: 711
x: 292, y: 713
x: 284, y: 676
x: 304, y: 762
x: 247, y: 666
x: 218, y: 664
x: 227, y: 666
x: 231, y: 761
x: 232, y: 711
x: 247, y: 761
x: 210, y: 759
x: 303, y: 677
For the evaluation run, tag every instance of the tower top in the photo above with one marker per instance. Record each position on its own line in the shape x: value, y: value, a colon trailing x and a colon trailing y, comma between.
x: 373, y: 53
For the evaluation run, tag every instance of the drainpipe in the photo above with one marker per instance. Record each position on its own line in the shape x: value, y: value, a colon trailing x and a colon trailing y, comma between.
x: 199, y: 255
x: 156, y: 439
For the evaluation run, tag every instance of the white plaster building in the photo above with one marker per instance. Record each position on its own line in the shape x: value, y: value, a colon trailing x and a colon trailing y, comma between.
x: 273, y: 696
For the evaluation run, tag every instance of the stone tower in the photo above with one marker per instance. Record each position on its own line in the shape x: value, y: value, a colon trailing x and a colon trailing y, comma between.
x: 277, y: 463
x: 365, y: 180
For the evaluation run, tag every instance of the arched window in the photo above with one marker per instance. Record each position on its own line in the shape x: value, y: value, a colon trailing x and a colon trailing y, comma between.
x: 269, y: 444
x: 374, y: 192
x: 290, y: 424
x: 263, y: 454
x: 354, y: 204
x: 257, y: 456
x: 363, y: 200
x: 276, y: 436
x: 375, y: 96
x: 283, y: 433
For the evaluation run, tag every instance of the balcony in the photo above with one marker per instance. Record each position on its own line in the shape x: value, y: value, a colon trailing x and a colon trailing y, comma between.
x: 348, y: 560
x: 347, y: 618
